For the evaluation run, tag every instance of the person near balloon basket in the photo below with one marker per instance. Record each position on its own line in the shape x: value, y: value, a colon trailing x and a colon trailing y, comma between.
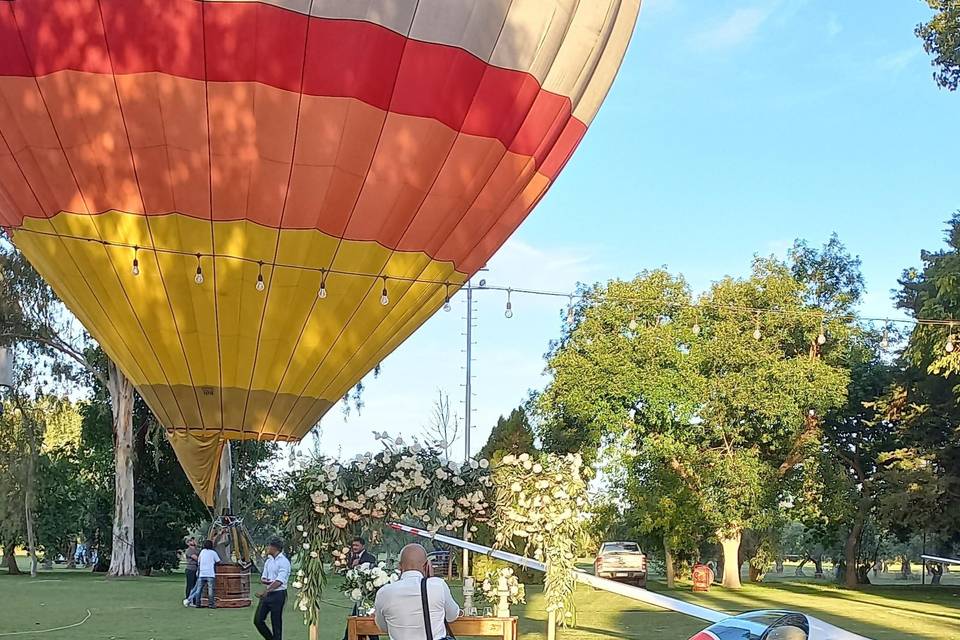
x: 276, y: 574
x: 207, y: 563
x: 190, y: 556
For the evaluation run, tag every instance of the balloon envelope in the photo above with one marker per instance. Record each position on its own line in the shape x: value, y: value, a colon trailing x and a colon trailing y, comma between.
x: 222, y: 191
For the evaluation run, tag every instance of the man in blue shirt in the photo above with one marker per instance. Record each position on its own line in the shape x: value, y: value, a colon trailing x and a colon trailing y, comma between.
x: 276, y: 573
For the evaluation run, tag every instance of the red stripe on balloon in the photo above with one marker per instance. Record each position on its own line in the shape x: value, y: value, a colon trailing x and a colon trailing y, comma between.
x: 253, y: 42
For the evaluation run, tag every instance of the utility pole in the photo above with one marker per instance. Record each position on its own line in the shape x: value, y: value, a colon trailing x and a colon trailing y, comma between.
x: 467, y: 410
x: 468, y: 385
x: 468, y: 407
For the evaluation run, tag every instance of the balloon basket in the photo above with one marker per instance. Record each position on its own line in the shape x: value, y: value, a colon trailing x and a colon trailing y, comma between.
x: 232, y: 589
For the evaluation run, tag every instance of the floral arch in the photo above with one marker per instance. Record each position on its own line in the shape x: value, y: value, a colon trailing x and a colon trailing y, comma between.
x: 532, y: 504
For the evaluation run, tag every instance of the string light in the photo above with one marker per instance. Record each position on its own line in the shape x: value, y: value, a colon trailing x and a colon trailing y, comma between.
x: 136, y: 262
x: 936, y: 322
x: 633, y: 324
x: 260, y: 285
x: 508, y: 312
x: 446, y: 300
x: 322, y: 293
x: 885, y: 340
x: 756, y: 331
x: 950, y: 346
x: 822, y: 338
x: 570, y: 311
x: 384, y: 298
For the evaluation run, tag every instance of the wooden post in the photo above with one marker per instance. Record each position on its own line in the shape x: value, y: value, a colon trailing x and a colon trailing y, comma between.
x: 552, y: 625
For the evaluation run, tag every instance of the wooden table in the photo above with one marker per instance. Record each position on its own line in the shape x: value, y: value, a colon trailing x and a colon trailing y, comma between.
x: 468, y: 626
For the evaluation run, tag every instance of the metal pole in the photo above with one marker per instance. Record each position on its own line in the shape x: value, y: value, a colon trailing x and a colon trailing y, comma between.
x: 465, y: 569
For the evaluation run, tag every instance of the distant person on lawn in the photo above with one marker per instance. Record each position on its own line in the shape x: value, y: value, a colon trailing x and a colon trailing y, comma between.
x: 206, y: 577
x: 191, y: 555
x: 276, y: 573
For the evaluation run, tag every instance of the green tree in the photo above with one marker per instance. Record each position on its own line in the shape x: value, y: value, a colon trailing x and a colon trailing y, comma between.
x: 719, y: 396
x: 33, y: 318
x: 941, y: 40
x: 512, y: 434
x: 922, y: 477
x: 840, y: 490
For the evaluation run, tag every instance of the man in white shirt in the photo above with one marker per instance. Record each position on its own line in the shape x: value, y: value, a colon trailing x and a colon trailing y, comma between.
x: 206, y: 577
x: 276, y: 573
x: 398, y: 606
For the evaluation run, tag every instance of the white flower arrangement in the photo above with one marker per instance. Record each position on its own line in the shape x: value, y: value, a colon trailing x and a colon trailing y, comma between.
x: 361, y: 583
x: 490, y: 587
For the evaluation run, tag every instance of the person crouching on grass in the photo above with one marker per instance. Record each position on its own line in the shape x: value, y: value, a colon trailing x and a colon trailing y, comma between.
x: 206, y: 575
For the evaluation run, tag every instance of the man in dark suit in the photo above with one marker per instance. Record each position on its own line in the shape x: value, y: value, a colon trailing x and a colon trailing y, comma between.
x: 359, y: 555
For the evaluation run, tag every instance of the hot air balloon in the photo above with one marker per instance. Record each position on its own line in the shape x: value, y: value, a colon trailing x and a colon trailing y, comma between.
x: 249, y: 204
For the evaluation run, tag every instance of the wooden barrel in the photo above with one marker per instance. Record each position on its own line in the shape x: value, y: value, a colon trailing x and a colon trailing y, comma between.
x: 232, y: 588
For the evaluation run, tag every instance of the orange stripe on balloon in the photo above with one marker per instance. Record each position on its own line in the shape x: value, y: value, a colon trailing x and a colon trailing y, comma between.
x: 407, y: 183
x: 253, y: 42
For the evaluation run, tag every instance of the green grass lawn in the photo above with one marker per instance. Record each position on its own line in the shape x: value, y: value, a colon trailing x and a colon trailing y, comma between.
x: 150, y: 608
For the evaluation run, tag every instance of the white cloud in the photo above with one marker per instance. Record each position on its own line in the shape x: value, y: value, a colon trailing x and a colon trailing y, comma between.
x: 733, y: 30
x: 898, y: 61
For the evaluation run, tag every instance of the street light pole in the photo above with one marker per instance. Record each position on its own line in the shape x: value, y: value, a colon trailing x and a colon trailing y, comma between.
x: 467, y: 410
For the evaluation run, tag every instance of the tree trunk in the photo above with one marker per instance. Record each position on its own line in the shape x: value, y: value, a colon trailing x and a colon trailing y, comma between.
x: 730, y: 542
x: 818, y: 566
x: 72, y: 555
x: 122, y: 558
x: 10, y: 557
x: 668, y: 565
x: 31, y: 541
x: 905, y: 570
x: 851, y: 549
x: 31, y: 430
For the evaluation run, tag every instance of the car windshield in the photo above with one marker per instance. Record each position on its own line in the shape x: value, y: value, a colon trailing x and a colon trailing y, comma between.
x: 614, y: 547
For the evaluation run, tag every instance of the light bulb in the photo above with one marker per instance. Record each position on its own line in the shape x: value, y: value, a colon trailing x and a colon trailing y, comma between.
x: 633, y: 324
x: 260, y: 285
x: 885, y: 341
x: 756, y: 334
x: 821, y: 339
x: 322, y: 293
x: 950, y: 346
x: 696, y: 328
x: 570, y: 315
x: 199, y: 277
x: 508, y: 313
x: 136, y: 267
x: 446, y: 305
x: 384, y: 298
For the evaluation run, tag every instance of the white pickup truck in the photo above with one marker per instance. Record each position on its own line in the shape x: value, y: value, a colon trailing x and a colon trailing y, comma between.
x: 621, y: 561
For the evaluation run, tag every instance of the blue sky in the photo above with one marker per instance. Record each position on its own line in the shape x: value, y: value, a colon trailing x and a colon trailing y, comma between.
x: 733, y: 128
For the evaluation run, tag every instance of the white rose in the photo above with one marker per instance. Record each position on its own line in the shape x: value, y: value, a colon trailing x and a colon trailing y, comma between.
x: 356, y: 595
x: 508, y: 459
x: 484, y: 463
x: 306, y: 546
x: 538, y: 468
x: 299, y: 527
x: 524, y: 457
x: 314, y: 554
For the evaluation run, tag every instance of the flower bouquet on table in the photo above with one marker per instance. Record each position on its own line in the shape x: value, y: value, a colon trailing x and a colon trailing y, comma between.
x: 490, y: 587
x: 361, y: 584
